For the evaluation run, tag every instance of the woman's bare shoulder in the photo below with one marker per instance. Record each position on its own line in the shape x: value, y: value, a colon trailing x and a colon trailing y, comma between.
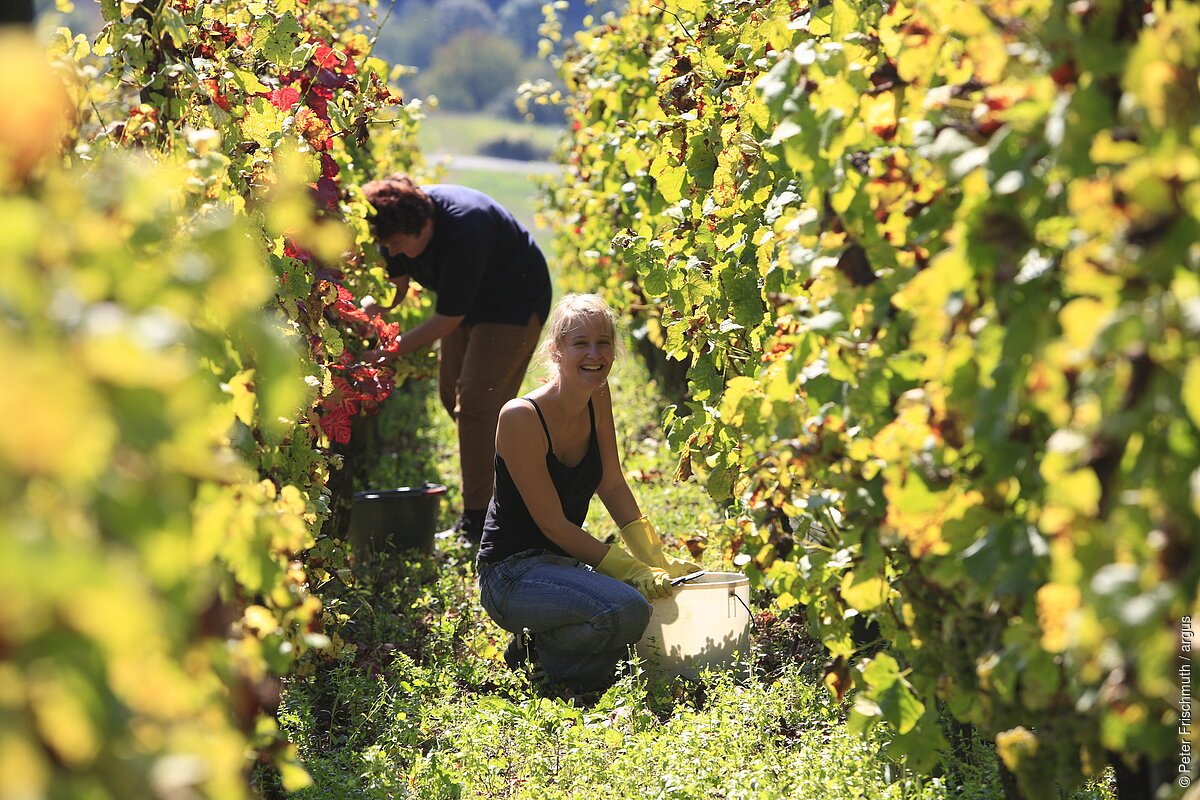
x: 517, y: 410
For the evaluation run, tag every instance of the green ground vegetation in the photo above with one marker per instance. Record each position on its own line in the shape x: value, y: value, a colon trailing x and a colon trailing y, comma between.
x: 413, y: 699
x: 463, y: 133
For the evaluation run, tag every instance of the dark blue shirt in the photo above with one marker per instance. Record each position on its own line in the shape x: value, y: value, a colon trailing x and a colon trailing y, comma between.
x: 481, y: 263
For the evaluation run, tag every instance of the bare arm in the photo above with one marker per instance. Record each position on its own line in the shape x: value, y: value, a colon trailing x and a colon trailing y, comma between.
x: 521, y: 442
x: 427, y: 332
x: 614, y: 490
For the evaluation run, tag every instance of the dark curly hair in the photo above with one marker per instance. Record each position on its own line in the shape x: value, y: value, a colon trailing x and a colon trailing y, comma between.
x: 400, y: 206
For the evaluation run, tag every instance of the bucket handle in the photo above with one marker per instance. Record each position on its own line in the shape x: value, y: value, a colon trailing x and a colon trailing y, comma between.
x: 733, y: 593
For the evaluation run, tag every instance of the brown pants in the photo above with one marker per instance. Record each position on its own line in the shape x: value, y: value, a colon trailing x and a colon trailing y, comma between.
x: 481, y: 367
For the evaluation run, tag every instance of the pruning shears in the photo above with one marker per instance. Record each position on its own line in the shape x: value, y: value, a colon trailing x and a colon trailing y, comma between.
x: 691, y: 576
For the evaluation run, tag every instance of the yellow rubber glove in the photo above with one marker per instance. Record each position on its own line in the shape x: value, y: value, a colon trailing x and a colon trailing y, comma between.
x: 646, y: 545
x: 652, y: 582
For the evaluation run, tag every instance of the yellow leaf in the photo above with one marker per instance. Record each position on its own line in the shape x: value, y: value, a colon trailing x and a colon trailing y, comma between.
x: 1078, y: 490
x: 293, y: 776
x: 65, y: 430
x: 63, y: 720
x: 1106, y: 150
x: 1081, y: 320
x: 1056, y: 602
x: 260, y: 621
x: 241, y: 387
x: 786, y: 601
x: 249, y: 81
x: 879, y: 114
x: 1016, y: 746
x: 669, y: 176
x: 866, y: 594
x: 1191, y: 390
x: 23, y: 768
x: 737, y: 389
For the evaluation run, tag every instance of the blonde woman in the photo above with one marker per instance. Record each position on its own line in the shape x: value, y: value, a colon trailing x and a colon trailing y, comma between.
x: 583, y: 602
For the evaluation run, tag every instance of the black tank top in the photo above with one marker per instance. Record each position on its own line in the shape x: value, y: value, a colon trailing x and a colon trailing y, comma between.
x: 509, y: 527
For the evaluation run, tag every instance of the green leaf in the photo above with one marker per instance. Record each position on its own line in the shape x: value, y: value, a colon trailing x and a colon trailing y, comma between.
x: 278, y: 44
x: 863, y: 715
x: 704, y: 381
x: 249, y: 82
x: 880, y: 672
x: 669, y: 176
x: 921, y: 746
x: 720, y: 483
x: 701, y: 160
x: 744, y: 296
x: 900, y: 706
x: 172, y: 25
x: 333, y: 341
x: 654, y: 281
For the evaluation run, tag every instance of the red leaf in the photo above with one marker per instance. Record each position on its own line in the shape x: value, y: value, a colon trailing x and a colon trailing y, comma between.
x: 325, y: 57
x: 329, y: 167
x: 372, y: 384
x: 344, y: 396
x: 330, y: 79
x: 284, y: 99
x: 347, y: 309
x: 387, y: 332
x: 336, y: 424
x: 214, y: 92
x: 293, y: 250
x: 327, y: 193
x: 318, y: 99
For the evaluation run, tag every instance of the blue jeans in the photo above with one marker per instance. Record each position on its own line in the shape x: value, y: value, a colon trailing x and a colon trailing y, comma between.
x: 584, y: 622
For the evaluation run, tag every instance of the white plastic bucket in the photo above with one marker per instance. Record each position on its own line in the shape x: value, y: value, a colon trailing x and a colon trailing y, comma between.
x: 705, y: 624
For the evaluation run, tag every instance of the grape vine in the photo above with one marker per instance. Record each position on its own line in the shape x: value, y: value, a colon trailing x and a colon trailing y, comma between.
x: 932, y: 266
x: 184, y: 256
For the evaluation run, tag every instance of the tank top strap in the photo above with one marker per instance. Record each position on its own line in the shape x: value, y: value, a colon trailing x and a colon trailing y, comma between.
x: 545, y: 427
x: 591, y: 416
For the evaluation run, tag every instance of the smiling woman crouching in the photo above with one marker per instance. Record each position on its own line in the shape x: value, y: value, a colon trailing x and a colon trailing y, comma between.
x: 583, y: 602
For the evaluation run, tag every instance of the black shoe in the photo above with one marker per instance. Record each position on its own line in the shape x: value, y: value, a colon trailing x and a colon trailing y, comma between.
x: 580, y: 698
x: 521, y: 654
x: 470, y: 526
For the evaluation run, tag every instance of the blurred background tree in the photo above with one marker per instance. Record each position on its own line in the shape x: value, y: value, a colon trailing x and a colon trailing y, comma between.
x: 473, y: 54
x: 473, y: 68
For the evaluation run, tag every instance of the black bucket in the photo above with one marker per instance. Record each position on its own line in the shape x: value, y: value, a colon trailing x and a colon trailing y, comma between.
x: 395, y: 519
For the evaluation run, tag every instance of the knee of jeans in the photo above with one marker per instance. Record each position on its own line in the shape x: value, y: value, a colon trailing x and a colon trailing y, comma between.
x: 626, y: 621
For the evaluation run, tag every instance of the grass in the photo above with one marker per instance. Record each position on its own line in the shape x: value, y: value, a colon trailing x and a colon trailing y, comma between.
x: 414, y: 701
x: 467, y: 133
